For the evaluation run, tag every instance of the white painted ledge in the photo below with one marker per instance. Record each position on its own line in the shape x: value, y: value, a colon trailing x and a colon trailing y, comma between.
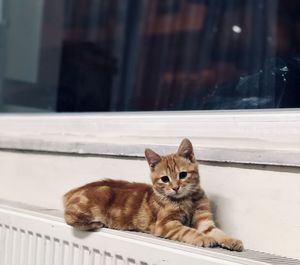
x: 252, y: 137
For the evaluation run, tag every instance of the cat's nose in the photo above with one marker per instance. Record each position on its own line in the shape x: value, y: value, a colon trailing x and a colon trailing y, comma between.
x: 175, y: 189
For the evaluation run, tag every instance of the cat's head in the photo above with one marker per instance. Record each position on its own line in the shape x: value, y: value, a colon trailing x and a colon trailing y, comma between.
x: 175, y: 175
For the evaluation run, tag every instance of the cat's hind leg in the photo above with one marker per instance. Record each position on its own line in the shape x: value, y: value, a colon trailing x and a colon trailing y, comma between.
x: 82, y: 221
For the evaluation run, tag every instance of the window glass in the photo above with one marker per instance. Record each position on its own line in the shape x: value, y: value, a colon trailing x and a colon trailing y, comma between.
x: 149, y: 55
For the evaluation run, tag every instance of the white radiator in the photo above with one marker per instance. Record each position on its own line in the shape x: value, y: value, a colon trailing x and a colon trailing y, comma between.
x: 31, y: 236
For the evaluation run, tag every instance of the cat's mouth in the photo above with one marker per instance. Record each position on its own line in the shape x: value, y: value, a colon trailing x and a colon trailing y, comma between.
x: 172, y: 194
x: 177, y: 194
x: 177, y: 197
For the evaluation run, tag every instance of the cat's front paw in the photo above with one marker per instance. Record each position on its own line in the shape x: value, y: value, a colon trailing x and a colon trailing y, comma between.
x: 232, y: 244
x: 207, y: 242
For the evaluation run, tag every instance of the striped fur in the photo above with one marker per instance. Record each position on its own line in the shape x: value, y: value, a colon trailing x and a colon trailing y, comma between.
x: 173, y: 207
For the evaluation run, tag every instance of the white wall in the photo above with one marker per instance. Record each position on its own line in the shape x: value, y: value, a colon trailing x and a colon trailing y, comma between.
x: 260, y: 205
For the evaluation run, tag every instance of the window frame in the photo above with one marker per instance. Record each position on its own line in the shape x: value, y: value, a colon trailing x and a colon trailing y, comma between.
x: 266, y: 137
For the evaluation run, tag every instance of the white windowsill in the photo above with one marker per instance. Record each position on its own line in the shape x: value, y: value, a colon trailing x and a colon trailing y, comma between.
x: 254, y: 137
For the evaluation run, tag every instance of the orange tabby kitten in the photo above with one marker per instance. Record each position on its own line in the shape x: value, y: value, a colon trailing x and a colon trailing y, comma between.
x: 174, y: 207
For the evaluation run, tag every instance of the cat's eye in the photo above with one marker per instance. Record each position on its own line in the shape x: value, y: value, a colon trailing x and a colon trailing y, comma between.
x: 165, y: 179
x: 182, y: 174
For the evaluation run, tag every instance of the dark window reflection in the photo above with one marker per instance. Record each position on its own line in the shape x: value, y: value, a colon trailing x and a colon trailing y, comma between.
x: 124, y: 55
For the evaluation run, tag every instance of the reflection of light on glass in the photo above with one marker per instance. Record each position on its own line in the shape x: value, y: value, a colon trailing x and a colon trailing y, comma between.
x: 236, y: 29
x: 284, y: 69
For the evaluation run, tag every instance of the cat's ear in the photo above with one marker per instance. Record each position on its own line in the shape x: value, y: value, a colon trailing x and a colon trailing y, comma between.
x: 186, y: 150
x: 152, y: 157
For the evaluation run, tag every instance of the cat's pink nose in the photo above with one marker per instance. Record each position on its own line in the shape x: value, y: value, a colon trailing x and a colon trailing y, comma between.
x: 175, y: 189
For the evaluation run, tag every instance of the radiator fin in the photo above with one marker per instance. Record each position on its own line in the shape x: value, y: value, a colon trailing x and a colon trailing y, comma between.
x: 108, y: 259
x: 96, y: 257
x: 15, y: 247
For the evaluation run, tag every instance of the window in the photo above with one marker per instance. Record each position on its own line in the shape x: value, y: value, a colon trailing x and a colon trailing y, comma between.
x: 204, y: 61
x: 124, y: 55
